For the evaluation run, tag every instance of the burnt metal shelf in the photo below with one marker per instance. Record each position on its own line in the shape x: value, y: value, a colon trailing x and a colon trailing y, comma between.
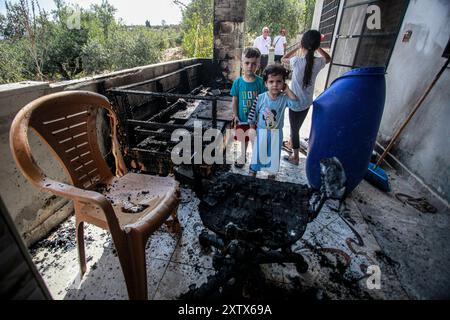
x: 151, y: 110
x: 213, y: 98
x: 170, y: 95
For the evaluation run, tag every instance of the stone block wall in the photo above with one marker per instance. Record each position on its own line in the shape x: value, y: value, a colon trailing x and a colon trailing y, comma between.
x: 229, y: 18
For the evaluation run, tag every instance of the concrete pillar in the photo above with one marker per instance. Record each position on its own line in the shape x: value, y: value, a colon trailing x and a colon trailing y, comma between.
x: 271, y: 55
x: 317, y: 13
x: 229, y: 17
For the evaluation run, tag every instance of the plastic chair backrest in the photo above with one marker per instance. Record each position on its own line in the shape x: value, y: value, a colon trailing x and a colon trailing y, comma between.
x: 66, y: 121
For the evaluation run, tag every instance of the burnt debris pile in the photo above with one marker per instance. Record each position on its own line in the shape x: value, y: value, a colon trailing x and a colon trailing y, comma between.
x: 253, y: 222
x: 267, y: 213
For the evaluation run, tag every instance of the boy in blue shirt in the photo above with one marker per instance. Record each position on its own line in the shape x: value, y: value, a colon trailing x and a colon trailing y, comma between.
x: 244, y: 91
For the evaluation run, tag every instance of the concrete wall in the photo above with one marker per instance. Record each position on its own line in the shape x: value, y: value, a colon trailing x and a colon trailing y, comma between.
x: 229, y: 17
x: 33, y: 212
x: 424, y: 146
x: 317, y: 13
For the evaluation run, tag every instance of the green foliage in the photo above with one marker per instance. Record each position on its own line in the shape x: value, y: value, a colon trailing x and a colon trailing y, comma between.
x: 96, y: 57
x: 174, y: 37
x: 26, y: 26
x: 204, y: 9
x: 275, y: 14
x: 198, y: 38
x: 136, y: 48
x: 105, y: 15
x: 12, y: 65
x: 35, y: 45
x: 3, y: 23
x: 307, y: 14
x: 66, y: 42
x: 197, y: 26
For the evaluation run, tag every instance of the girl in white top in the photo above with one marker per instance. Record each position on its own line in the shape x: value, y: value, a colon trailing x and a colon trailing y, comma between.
x: 304, y: 73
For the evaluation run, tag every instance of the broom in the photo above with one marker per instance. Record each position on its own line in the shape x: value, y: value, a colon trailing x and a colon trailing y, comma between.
x: 376, y: 175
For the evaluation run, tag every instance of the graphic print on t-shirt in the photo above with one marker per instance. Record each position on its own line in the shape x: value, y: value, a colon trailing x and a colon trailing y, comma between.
x: 270, y: 117
x: 247, y: 98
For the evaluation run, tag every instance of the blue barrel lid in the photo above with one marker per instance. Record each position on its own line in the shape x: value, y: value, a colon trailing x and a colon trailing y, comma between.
x: 368, y: 71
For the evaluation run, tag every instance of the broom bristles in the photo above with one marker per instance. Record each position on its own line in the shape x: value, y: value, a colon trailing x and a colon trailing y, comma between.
x: 377, y: 177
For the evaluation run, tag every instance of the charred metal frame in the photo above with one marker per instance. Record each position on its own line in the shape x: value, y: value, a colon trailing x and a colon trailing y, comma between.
x: 255, y: 221
x: 172, y: 102
x: 178, y: 96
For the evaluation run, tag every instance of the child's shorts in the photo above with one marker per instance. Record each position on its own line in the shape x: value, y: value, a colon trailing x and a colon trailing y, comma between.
x: 244, y: 128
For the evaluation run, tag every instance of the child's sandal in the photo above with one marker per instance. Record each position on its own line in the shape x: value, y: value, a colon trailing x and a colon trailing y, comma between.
x: 286, y: 147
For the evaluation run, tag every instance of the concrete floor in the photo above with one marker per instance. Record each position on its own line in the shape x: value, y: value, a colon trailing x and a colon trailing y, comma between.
x: 410, y: 248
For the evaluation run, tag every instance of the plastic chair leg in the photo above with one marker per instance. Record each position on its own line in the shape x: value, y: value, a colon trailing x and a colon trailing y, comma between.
x: 80, y: 246
x: 135, y: 271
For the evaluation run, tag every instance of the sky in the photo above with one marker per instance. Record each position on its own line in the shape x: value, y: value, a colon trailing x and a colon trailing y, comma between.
x: 133, y: 12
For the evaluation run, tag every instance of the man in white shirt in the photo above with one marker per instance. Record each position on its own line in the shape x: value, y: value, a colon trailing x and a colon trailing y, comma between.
x: 279, y: 42
x: 263, y: 43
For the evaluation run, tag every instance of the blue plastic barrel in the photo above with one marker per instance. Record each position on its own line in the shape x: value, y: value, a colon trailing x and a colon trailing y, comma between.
x: 345, y: 122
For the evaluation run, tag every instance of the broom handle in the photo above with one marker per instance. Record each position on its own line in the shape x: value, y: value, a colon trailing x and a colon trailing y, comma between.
x: 416, y: 107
